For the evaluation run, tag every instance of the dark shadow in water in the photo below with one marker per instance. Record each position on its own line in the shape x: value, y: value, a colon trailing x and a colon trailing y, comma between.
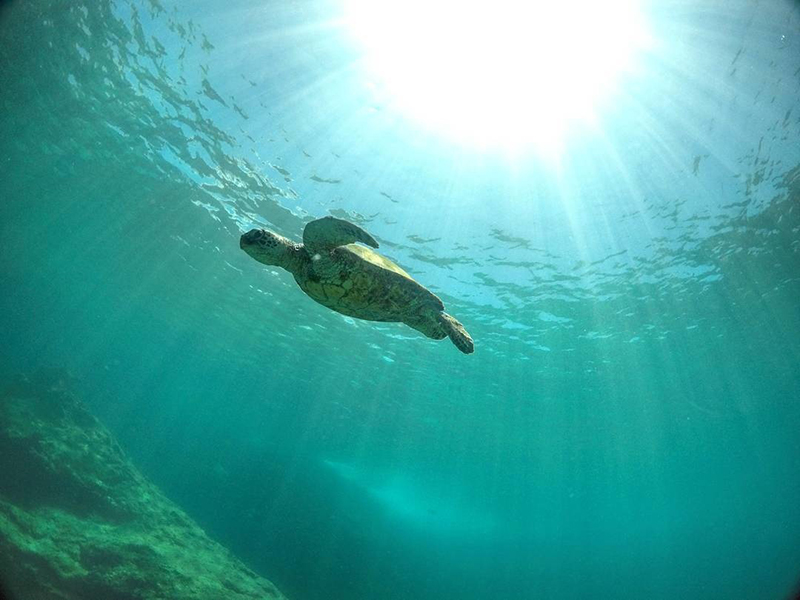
x: 4, y: 595
x: 796, y: 594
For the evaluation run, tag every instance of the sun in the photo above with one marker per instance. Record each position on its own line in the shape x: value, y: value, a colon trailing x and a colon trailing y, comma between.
x: 506, y: 74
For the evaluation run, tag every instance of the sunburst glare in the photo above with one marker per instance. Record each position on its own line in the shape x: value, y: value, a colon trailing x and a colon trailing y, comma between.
x: 510, y: 75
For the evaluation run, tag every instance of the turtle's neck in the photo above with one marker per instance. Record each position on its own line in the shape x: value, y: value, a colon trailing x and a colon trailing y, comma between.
x: 295, y: 259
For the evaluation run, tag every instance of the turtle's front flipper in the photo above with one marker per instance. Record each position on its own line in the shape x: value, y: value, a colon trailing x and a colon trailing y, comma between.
x: 327, y: 233
x: 457, y: 334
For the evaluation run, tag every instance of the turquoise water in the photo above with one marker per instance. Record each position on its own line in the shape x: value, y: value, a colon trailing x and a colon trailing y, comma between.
x: 627, y: 426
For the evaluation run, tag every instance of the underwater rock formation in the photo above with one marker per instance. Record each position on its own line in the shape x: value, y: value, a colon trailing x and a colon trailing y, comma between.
x: 78, y: 520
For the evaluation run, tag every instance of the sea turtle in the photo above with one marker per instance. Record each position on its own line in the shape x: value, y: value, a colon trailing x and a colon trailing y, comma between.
x: 353, y: 280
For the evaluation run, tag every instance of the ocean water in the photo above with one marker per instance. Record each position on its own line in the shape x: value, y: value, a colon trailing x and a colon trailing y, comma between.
x: 628, y: 424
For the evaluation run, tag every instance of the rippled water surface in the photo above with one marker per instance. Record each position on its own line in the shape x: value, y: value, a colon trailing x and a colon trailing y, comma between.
x: 627, y: 426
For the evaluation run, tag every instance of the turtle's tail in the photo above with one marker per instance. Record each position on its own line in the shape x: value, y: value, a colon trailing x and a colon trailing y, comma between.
x: 457, y: 334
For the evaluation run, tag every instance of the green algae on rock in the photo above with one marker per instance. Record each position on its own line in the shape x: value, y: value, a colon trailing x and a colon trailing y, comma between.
x: 78, y: 520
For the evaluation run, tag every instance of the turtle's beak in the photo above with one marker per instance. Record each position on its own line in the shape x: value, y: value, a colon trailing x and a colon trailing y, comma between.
x: 249, y: 238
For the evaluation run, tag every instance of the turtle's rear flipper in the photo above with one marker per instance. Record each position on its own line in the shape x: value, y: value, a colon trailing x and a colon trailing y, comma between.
x: 457, y: 334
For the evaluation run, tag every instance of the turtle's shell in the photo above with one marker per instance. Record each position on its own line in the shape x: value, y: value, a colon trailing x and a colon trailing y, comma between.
x: 376, y: 259
x: 359, y: 282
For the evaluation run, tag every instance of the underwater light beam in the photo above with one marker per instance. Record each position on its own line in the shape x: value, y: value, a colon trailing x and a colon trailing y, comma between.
x: 506, y: 75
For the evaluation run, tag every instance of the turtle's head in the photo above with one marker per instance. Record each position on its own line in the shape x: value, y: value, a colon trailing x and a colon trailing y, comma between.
x: 269, y: 248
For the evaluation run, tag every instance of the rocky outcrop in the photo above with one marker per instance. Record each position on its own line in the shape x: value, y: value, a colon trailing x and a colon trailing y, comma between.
x: 78, y: 520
